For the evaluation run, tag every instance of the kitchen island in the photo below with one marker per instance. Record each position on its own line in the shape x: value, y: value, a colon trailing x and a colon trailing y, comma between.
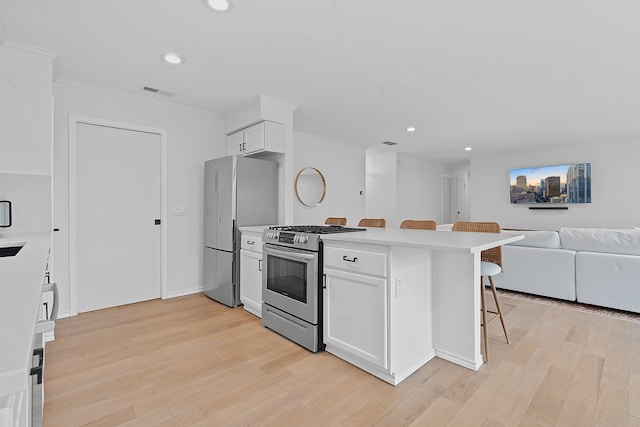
x: 395, y: 298
x: 21, y: 280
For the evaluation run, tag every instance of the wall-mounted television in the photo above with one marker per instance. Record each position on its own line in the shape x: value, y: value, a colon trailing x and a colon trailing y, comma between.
x: 551, y: 184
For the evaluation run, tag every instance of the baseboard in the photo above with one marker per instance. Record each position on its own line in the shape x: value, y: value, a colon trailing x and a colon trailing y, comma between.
x: 469, y: 364
x: 252, y: 308
x: 184, y: 292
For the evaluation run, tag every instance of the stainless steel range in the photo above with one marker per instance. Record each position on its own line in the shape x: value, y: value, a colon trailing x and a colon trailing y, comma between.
x: 291, y: 278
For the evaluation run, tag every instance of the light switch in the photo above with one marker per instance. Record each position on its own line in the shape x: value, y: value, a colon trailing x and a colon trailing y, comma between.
x: 399, y: 288
x: 181, y: 211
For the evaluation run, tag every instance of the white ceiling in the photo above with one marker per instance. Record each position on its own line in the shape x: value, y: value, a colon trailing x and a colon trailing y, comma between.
x: 493, y: 74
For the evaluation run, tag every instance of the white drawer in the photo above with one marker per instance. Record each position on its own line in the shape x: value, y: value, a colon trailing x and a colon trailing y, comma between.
x: 374, y: 263
x: 251, y: 243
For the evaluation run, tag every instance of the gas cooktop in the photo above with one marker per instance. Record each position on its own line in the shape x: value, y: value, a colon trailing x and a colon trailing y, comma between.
x: 315, y: 229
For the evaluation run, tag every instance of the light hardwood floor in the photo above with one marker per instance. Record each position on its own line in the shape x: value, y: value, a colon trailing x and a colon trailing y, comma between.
x: 192, y: 362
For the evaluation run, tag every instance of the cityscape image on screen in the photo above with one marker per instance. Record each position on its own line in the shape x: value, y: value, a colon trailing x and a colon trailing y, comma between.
x: 551, y: 184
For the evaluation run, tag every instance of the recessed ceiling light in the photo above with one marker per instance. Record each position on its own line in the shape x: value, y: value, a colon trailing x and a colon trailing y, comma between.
x: 219, y: 5
x: 411, y: 129
x: 467, y: 149
x: 173, y: 58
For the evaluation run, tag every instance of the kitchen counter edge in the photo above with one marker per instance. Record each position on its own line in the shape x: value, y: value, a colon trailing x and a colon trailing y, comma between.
x: 466, y: 242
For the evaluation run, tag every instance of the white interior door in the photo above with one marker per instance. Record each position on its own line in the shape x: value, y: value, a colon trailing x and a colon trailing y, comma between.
x: 118, y: 201
x: 462, y: 211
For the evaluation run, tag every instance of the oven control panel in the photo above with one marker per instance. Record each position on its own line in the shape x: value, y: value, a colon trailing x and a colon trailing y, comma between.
x: 292, y: 239
x: 286, y: 237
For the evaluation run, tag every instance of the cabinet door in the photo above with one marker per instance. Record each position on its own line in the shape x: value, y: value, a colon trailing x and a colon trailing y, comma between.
x: 235, y: 143
x: 251, y: 281
x: 254, y: 138
x: 356, y: 314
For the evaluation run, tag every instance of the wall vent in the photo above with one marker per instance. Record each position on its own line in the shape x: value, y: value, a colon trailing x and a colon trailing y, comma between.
x: 389, y: 143
x: 157, y: 91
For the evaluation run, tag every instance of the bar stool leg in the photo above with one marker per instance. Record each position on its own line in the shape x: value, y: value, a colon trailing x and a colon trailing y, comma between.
x: 495, y: 297
x: 484, y: 322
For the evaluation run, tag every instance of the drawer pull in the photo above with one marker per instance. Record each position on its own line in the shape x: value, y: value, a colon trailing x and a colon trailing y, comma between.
x: 344, y: 258
x: 251, y: 242
x: 37, y: 370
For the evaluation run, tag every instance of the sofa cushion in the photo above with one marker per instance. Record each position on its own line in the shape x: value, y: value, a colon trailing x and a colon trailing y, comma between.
x: 608, y: 280
x: 546, y: 272
x: 536, y: 239
x: 613, y: 241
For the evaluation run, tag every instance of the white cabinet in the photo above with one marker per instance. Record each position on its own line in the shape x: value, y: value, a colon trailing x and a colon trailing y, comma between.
x: 377, y: 311
x: 234, y: 144
x: 263, y: 136
x: 251, y: 273
x: 356, y: 314
x: 356, y: 304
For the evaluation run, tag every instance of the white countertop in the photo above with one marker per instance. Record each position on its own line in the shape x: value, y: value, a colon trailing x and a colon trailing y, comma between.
x: 21, y: 280
x: 425, y: 239
x: 254, y: 228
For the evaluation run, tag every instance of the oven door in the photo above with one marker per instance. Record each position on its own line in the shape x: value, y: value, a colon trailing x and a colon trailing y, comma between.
x: 290, y: 281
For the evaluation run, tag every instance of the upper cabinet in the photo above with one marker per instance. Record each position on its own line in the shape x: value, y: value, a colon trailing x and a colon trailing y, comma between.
x: 263, y: 136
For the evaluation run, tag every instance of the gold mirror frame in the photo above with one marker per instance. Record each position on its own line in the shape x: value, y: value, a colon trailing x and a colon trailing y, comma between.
x: 324, y: 186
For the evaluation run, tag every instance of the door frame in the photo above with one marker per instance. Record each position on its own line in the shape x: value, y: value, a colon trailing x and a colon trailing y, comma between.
x: 447, y: 182
x: 74, y: 121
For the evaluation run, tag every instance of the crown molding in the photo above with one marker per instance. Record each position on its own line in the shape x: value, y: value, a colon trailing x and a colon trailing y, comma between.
x: 136, y: 97
x: 30, y: 48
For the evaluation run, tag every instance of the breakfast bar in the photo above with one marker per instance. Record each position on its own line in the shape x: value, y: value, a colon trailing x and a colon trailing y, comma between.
x: 396, y: 298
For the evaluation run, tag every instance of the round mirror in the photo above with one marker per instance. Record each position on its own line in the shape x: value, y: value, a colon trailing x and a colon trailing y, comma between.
x: 310, y: 187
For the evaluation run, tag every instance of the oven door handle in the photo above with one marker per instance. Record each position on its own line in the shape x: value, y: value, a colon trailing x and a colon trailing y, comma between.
x: 289, y: 253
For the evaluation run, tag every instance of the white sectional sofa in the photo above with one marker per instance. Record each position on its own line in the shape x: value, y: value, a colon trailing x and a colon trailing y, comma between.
x: 591, y: 265
x: 607, y: 266
x: 538, y: 265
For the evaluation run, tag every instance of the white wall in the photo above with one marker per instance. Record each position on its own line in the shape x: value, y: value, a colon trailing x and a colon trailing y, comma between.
x: 615, y: 176
x: 381, y: 186
x: 192, y: 138
x: 30, y: 197
x: 343, y: 167
x: 25, y: 109
x: 419, y: 189
x: 403, y: 186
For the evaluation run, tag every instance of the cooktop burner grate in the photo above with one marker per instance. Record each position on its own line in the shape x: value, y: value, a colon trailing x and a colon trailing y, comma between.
x: 316, y: 229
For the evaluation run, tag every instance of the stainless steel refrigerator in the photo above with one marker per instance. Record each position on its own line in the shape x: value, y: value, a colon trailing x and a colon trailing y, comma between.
x: 238, y: 191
